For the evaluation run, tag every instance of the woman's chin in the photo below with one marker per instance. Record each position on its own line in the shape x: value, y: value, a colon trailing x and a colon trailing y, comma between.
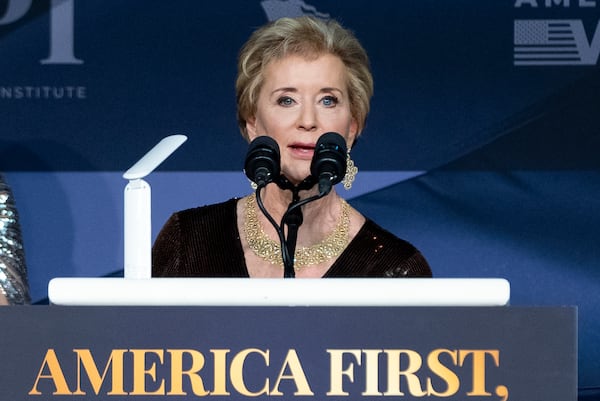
x: 296, y: 174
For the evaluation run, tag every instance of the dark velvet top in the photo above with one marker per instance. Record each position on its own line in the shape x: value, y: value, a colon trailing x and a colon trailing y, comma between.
x: 205, y: 242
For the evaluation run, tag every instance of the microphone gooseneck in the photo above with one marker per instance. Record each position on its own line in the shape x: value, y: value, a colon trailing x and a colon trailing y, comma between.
x: 328, y: 165
x: 262, y: 164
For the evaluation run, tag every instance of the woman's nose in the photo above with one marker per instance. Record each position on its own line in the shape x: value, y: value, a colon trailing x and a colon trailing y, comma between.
x: 307, y: 120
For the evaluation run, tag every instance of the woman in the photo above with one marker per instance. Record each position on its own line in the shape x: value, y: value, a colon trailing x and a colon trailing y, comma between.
x: 297, y: 79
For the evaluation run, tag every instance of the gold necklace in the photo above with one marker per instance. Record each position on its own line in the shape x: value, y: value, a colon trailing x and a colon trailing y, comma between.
x: 267, y: 249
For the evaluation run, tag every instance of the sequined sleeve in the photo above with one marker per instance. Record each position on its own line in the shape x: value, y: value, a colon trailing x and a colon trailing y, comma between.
x: 13, y: 272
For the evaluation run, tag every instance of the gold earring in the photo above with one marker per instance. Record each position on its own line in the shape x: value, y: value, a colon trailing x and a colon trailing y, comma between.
x: 351, y: 171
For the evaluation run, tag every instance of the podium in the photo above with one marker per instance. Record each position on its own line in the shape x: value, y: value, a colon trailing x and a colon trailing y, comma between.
x: 288, y: 353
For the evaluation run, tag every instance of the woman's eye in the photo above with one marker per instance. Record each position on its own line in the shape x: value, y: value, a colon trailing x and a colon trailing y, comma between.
x: 285, y: 101
x: 329, y: 101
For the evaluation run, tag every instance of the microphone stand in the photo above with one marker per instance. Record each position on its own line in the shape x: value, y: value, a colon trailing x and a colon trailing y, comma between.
x: 327, y: 165
x: 292, y: 219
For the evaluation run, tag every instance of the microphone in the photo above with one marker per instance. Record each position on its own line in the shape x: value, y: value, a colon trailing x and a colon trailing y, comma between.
x: 328, y: 164
x: 262, y: 161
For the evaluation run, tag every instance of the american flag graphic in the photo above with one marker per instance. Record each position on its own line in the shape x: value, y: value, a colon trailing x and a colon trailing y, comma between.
x: 546, y: 42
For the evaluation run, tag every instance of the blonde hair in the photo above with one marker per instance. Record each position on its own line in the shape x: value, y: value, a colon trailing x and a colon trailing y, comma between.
x: 309, y: 37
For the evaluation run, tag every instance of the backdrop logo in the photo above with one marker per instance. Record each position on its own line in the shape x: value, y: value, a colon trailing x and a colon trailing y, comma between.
x: 547, y: 42
x: 554, y: 42
x: 60, y: 51
x: 61, y: 28
x: 289, y: 8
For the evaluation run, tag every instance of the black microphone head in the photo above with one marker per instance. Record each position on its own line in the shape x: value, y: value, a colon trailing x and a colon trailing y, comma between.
x: 329, y: 160
x: 262, y: 163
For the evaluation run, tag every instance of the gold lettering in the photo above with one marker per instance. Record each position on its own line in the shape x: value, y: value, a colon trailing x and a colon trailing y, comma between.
x: 336, y: 370
x: 177, y: 372
x: 439, y: 369
x: 372, y: 372
x: 85, y: 359
x: 478, y: 357
x: 394, y: 372
x: 140, y: 372
x: 56, y: 374
x: 297, y: 374
x: 237, y: 372
x: 220, y: 371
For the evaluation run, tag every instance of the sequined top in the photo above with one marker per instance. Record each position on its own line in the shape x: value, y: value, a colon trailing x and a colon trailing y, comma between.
x: 205, y: 242
x: 13, y: 271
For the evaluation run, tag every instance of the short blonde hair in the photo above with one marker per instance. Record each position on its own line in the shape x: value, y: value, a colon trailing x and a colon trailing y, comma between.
x: 309, y: 37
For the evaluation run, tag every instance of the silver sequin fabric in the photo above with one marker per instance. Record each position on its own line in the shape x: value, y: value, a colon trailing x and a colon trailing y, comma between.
x: 13, y: 270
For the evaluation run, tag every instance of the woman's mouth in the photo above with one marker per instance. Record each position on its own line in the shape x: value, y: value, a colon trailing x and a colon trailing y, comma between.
x: 302, y: 150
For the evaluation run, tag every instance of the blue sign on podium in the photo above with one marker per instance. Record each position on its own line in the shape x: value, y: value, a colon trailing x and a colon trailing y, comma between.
x: 320, y: 353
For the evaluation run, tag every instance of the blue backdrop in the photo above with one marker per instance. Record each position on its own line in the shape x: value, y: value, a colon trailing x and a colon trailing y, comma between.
x: 481, y: 149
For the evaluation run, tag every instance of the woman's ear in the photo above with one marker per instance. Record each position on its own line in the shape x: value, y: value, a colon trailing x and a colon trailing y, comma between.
x: 353, y: 133
x: 251, y: 128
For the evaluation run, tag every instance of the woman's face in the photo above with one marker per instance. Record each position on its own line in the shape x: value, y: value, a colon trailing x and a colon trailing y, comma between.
x: 299, y: 101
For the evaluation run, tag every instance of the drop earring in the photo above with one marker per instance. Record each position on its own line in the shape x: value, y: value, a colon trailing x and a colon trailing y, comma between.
x: 351, y: 171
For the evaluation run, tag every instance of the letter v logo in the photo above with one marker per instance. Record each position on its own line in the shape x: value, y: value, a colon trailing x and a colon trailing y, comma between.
x: 588, y: 51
